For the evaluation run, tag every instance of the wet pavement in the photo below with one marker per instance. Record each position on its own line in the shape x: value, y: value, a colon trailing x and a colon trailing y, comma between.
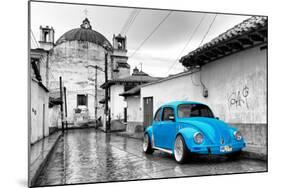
x: 88, y: 155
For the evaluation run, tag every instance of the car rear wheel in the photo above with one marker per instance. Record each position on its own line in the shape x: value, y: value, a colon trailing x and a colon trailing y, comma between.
x: 180, y: 150
x: 147, y: 148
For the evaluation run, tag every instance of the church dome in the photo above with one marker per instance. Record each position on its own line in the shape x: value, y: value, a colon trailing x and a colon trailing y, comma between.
x: 84, y: 33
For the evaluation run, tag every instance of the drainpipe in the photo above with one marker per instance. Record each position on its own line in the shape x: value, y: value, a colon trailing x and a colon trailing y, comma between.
x: 61, y: 106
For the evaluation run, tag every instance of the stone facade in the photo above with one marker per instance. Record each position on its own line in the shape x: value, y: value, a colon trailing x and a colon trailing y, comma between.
x: 74, y: 61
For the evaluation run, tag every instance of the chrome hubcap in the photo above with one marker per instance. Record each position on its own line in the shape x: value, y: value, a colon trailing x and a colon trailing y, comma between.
x: 145, y: 143
x: 178, y: 149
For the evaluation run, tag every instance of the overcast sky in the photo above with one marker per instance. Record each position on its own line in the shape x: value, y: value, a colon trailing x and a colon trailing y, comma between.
x: 160, y: 52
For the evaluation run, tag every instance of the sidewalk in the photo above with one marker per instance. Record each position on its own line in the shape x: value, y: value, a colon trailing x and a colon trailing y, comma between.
x: 129, y: 135
x: 255, y: 152
x: 39, y: 153
x: 251, y: 151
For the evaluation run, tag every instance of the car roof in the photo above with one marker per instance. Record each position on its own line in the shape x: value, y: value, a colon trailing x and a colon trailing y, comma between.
x: 176, y: 103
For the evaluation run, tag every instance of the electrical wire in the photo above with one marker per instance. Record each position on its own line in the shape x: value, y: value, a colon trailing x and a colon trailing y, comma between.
x: 32, y: 35
x: 33, y: 43
x: 131, y: 23
x: 128, y: 21
x: 188, y: 41
x: 208, y: 29
x: 154, y: 30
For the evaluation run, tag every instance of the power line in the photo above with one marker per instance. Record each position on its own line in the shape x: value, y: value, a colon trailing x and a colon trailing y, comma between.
x: 208, y: 29
x: 155, y: 29
x: 127, y: 21
x: 189, y: 40
x: 34, y: 38
x: 33, y: 42
x: 131, y: 22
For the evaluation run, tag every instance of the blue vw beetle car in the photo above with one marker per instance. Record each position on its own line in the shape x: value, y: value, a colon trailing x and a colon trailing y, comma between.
x: 184, y: 127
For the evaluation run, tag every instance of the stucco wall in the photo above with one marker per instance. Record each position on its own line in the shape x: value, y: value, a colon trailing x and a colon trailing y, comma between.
x: 117, y: 103
x: 236, y: 85
x: 39, y: 112
x: 134, y: 116
x: 44, y: 68
x: 72, y: 60
x: 133, y: 109
x: 55, y: 116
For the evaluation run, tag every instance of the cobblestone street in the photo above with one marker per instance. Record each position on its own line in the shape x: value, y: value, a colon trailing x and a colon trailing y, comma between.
x: 88, y: 155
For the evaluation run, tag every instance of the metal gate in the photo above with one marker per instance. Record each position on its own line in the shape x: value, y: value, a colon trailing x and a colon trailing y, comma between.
x: 147, y: 111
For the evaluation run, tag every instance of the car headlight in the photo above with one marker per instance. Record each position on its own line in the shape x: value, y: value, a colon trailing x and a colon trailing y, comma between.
x: 198, y: 138
x: 237, y: 135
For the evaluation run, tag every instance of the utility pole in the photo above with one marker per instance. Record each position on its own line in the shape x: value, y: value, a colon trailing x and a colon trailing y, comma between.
x: 61, y: 106
x: 106, y: 93
x: 96, y: 94
x: 65, y: 105
x: 96, y: 89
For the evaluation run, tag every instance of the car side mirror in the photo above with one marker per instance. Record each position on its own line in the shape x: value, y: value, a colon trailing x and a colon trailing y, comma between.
x: 171, y: 118
x: 217, y: 118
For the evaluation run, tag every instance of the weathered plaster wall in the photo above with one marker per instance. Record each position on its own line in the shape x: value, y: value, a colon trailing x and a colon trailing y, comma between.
x: 55, y: 116
x: 134, y: 116
x: 133, y: 108
x: 117, y: 103
x: 44, y: 68
x: 237, y: 91
x: 74, y: 61
x: 39, y: 112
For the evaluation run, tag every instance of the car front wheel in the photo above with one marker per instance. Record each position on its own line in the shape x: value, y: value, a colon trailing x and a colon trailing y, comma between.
x: 147, y: 148
x: 180, y: 150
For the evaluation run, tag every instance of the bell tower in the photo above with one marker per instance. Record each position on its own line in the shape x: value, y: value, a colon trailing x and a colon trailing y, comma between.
x: 47, y: 35
x: 120, y: 66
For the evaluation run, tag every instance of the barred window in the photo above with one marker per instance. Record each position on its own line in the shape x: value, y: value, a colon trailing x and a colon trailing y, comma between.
x: 82, y: 100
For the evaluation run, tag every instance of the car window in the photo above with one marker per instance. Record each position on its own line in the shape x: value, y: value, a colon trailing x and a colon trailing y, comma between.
x: 157, y: 115
x: 167, y: 111
x: 194, y: 110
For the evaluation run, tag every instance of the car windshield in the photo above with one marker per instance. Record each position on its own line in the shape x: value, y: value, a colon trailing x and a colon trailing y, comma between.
x: 194, y: 110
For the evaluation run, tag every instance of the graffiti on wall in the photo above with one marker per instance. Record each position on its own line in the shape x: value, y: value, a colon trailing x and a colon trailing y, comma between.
x: 239, y: 98
x: 34, y: 111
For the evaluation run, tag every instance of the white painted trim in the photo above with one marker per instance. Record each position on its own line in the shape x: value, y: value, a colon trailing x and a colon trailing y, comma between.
x: 164, y: 150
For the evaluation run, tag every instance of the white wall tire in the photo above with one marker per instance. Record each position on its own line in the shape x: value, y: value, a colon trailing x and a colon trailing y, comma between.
x: 180, y: 152
x: 146, y: 146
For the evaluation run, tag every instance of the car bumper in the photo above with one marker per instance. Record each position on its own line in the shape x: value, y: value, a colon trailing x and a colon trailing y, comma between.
x: 217, y: 149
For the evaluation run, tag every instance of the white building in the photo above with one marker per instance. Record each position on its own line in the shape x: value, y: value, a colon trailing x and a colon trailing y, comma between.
x: 120, y: 111
x: 39, y: 96
x: 80, y: 57
x: 229, y: 74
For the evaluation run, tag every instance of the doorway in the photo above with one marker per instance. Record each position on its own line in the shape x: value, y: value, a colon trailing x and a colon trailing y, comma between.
x: 147, y: 111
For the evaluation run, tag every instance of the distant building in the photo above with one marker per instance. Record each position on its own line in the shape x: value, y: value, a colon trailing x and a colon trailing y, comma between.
x: 78, y: 57
x: 120, y: 109
x: 229, y: 74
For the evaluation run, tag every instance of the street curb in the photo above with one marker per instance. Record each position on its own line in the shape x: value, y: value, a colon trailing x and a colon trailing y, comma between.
x: 44, y: 162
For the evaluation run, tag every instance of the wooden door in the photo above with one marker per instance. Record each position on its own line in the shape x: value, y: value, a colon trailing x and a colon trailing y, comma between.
x: 147, y: 111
